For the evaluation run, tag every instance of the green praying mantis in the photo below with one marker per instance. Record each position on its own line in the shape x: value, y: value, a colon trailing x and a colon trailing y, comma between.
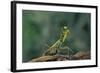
x: 54, y: 49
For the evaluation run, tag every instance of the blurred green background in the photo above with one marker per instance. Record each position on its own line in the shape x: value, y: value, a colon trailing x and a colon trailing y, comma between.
x: 41, y: 28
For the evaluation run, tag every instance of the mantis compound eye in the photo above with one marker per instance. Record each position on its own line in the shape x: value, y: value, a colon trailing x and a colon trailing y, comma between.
x: 65, y: 27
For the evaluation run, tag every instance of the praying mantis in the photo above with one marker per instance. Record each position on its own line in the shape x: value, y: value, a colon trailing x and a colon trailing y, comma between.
x: 54, y: 49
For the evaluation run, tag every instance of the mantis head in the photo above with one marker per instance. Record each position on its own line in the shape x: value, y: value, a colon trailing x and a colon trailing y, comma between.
x: 65, y: 28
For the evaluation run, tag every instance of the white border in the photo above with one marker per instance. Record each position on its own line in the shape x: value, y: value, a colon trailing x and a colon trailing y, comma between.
x: 21, y: 65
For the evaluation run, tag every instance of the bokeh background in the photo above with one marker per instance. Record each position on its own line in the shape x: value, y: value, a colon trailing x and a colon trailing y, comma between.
x: 41, y: 29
